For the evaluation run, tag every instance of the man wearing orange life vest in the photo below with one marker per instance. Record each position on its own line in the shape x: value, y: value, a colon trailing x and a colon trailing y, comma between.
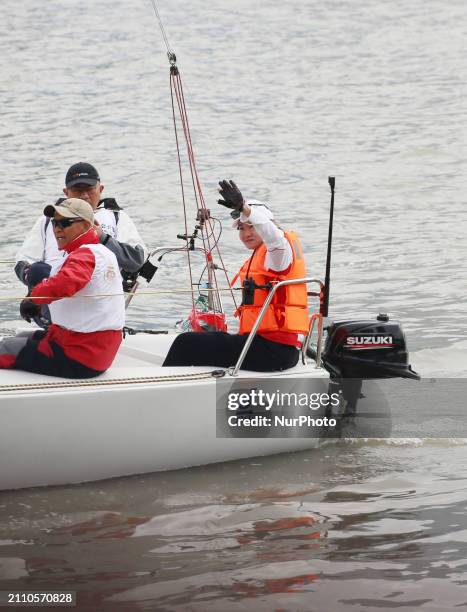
x: 276, y: 256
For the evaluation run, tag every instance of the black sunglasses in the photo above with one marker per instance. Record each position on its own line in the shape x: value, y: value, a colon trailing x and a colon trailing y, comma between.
x: 64, y: 223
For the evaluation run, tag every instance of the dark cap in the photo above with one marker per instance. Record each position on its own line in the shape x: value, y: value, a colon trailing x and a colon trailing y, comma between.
x: 81, y: 172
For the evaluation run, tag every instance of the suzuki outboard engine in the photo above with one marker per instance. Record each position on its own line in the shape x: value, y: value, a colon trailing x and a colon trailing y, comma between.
x: 359, y: 350
x: 367, y: 349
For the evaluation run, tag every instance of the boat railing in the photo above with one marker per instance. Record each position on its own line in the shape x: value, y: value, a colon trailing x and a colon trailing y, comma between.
x: 161, y: 251
x: 315, y: 318
x: 173, y: 249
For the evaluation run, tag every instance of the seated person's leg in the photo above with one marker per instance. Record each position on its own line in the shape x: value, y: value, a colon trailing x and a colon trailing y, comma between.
x: 205, y: 349
x: 9, y: 350
x: 41, y: 357
x: 218, y: 349
x: 267, y: 356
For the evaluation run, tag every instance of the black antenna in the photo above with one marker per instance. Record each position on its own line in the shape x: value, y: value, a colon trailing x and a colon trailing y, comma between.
x: 327, y: 279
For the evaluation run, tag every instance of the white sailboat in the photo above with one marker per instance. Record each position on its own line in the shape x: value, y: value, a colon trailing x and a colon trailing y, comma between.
x: 137, y: 417
x: 141, y: 417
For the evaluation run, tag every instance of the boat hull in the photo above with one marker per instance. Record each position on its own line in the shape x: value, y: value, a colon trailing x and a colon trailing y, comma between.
x: 122, y: 424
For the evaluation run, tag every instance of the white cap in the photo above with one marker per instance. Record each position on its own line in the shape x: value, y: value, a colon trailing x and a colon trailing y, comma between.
x: 262, y: 208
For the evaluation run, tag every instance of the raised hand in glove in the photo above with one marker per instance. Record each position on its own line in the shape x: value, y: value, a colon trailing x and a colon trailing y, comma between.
x: 232, y: 197
x: 28, y: 310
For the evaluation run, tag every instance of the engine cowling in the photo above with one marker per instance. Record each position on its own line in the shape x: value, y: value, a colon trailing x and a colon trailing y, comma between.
x: 367, y: 349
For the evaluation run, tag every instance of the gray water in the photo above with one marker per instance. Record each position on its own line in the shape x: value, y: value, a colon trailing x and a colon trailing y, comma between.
x: 279, y: 97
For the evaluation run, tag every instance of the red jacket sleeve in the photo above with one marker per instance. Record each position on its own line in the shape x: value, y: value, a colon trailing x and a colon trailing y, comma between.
x: 75, y: 274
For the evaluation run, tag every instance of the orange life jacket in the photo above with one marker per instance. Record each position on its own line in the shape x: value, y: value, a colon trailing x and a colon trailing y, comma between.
x: 288, y: 311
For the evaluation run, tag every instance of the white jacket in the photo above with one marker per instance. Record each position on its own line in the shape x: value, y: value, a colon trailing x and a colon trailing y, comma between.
x: 124, y: 240
x: 83, y: 314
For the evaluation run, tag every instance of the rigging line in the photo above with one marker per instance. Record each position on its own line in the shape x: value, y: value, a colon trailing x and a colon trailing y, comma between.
x: 176, y: 76
x: 195, y: 177
x: 176, y: 83
x: 216, y: 241
x: 184, y: 121
x: 173, y: 69
x: 215, y: 246
x: 174, y: 79
x: 100, y: 295
x: 198, y: 192
x: 191, y: 155
x: 161, y: 25
x: 197, y: 189
x: 186, y: 130
x: 207, y: 228
x: 96, y: 382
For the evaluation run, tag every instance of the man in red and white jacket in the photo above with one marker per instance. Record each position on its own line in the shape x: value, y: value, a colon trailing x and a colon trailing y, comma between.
x: 86, y: 302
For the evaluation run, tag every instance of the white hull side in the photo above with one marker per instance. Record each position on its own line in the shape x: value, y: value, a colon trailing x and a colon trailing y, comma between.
x: 85, y: 435
x: 67, y: 435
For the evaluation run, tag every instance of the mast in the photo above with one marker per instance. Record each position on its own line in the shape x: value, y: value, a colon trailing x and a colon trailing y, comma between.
x: 204, y: 227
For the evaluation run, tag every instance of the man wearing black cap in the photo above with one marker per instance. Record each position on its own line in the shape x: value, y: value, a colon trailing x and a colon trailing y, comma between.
x: 39, y: 251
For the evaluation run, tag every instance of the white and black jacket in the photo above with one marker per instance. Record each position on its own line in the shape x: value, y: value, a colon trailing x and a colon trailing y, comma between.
x: 119, y: 235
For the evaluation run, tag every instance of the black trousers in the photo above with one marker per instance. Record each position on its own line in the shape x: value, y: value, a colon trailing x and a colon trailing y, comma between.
x: 220, y: 349
x: 31, y: 360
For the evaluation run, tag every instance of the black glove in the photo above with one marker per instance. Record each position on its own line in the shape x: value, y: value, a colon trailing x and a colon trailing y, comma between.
x: 28, y: 310
x: 22, y: 271
x: 232, y: 197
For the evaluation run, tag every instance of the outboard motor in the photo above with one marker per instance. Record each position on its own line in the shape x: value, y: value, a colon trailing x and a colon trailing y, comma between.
x: 367, y: 349
x: 360, y: 350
